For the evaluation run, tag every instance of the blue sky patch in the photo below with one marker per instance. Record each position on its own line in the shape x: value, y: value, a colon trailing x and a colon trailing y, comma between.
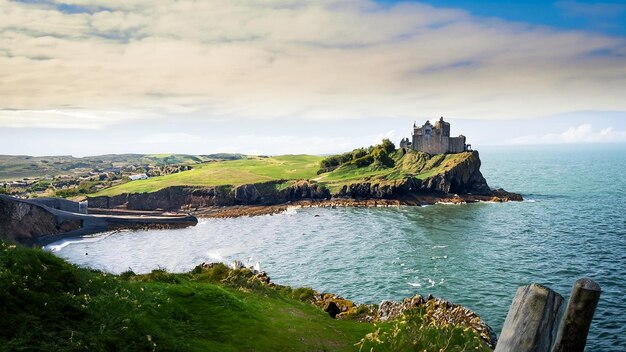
x: 608, y: 16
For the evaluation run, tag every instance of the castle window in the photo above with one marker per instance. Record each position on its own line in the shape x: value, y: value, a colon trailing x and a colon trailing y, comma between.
x: 427, y: 132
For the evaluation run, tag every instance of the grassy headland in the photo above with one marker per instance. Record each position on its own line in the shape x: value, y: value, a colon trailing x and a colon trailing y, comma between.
x: 47, y: 304
x: 392, y: 166
x: 381, y: 163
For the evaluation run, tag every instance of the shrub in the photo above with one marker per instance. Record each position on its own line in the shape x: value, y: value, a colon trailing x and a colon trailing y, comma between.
x: 303, y: 294
x: 388, y: 146
x: 66, y: 193
x: 161, y: 275
x: 380, y: 155
x: 364, y: 161
x: 360, y: 157
x: 127, y: 274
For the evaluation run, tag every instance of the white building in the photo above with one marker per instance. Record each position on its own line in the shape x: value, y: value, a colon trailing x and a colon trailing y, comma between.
x: 138, y: 177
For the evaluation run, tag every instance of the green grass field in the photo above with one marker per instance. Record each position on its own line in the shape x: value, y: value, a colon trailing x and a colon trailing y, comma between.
x: 232, y: 172
x: 47, y: 304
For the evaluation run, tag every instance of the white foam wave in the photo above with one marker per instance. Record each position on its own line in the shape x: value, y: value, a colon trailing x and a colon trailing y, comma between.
x: 289, y: 211
x: 438, y: 257
x: 202, y: 222
x: 57, y: 246
x: 215, y: 256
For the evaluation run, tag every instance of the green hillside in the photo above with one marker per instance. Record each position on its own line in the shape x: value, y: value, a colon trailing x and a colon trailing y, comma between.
x: 47, y: 304
x: 400, y: 166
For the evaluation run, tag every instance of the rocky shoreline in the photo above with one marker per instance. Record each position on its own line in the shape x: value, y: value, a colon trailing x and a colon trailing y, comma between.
x: 234, y: 211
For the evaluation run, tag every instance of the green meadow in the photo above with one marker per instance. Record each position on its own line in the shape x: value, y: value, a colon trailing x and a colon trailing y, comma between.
x: 230, y: 172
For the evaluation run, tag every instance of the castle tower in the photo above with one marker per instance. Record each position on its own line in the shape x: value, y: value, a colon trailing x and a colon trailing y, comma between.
x: 436, y: 139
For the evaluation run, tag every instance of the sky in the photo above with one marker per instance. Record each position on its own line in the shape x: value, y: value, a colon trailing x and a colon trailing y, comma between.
x: 88, y: 77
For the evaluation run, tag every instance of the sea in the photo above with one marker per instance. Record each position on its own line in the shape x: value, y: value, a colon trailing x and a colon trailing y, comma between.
x: 571, y: 225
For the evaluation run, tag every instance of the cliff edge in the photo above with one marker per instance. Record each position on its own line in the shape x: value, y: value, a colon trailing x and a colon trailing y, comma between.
x: 418, y: 174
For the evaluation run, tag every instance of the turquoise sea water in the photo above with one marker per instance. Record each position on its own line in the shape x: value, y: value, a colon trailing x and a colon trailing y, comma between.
x: 572, y: 225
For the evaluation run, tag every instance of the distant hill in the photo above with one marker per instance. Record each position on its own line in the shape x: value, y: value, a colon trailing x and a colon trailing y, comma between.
x: 17, y: 167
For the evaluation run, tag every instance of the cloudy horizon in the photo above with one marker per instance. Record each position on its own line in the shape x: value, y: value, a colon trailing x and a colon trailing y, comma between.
x: 288, y: 76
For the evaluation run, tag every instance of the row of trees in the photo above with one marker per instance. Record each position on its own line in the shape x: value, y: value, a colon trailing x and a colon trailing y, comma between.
x: 361, y: 157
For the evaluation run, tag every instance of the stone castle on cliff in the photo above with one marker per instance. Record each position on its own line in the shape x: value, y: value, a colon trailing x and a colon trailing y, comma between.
x: 435, y: 139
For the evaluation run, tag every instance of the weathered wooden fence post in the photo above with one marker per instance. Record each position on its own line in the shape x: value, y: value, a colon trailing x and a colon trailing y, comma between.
x: 530, y: 324
x: 538, y: 322
x: 574, y: 327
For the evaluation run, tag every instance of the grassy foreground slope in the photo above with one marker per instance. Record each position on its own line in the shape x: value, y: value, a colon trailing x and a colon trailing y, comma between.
x: 47, y: 304
x: 232, y: 172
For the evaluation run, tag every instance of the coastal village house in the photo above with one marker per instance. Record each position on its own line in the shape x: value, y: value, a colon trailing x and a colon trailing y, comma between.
x: 138, y: 177
x: 435, y: 139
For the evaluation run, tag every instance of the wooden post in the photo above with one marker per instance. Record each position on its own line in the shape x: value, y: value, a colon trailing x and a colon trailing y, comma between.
x: 530, y: 324
x: 574, y: 327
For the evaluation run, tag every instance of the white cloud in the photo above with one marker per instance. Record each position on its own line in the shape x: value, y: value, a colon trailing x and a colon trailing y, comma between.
x: 583, y: 133
x: 66, y: 119
x: 328, y: 59
x: 173, y: 138
x: 253, y: 144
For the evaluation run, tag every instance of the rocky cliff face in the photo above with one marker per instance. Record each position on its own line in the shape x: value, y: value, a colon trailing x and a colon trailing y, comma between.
x: 463, y: 178
x: 178, y: 197
x: 24, y: 222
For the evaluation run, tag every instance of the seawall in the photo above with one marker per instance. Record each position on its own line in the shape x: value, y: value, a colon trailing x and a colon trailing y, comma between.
x: 32, y: 223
